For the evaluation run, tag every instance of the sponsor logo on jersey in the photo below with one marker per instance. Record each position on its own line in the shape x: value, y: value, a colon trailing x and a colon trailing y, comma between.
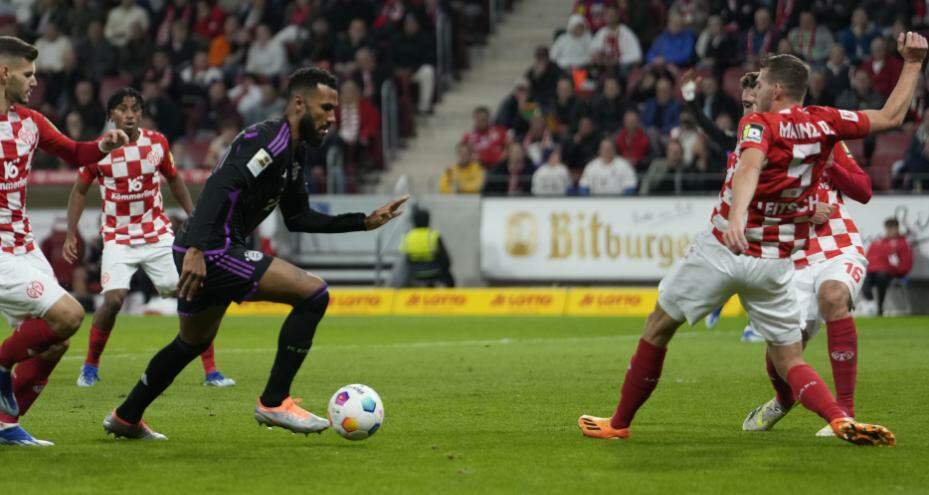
x: 254, y: 255
x: 35, y: 289
x: 752, y: 133
x: 259, y: 162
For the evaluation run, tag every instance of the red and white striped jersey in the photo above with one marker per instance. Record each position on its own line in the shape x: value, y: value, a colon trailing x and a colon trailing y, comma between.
x: 130, y: 187
x: 22, y: 130
x: 796, y: 143
x: 837, y: 236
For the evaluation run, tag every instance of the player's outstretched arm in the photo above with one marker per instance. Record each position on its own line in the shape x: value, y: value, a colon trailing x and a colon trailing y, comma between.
x: 744, y: 183
x: 76, y: 202
x: 912, y: 47
x: 78, y: 153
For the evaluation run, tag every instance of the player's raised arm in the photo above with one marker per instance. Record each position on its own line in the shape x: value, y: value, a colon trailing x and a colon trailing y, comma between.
x: 76, y: 202
x: 912, y: 47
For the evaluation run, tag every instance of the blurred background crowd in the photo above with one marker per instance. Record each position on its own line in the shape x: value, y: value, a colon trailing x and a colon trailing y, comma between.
x: 599, y: 110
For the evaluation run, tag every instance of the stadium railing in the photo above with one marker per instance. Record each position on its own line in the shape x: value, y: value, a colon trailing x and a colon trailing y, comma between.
x: 390, y: 122
x: 444, y: 55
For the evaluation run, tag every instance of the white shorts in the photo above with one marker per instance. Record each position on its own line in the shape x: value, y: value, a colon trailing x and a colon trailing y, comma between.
x: 120, y: 262
x: 850, y: 269
x: 709, y: 274
x: 28, y: 287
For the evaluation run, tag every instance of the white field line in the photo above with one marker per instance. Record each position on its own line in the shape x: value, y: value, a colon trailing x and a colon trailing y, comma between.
x: 419, y: 345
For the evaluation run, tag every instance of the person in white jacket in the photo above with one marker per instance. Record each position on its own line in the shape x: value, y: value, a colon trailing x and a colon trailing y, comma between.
x: 616, y: 43
x: 608, y: 174
x: 552, y: 178
x: 573, y: 48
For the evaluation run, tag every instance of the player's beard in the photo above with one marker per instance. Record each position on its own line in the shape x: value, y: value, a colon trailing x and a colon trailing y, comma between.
x: 309, y: 133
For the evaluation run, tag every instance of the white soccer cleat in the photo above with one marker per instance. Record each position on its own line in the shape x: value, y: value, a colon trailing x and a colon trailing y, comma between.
x: 217, y: 379
x: 765, y: 416
x: 16, y: 435
x: 750, y: 335
x: 826, y: 431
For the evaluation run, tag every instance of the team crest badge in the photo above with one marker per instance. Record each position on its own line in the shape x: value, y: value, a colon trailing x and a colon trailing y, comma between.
x: 254, y: 255
x: 35, y: 289
x: 154, y: 157
x: 26, y: 135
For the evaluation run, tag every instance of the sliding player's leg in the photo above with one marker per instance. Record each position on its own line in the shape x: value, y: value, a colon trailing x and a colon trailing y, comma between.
x: 197, y: 331
x: 765, y: 416
x: 309, y: 296
x: 694, y: 287
x: 774, y: 310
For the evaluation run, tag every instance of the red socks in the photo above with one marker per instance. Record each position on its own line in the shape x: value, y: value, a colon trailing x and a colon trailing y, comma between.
x: 810, y: 391
x: 29, y: 378
x: 31, y: 337
x: 785, y: 395
x: 209, y: 361
x: 96, y: 344
x: 641, y: 378
x: 843, y: 355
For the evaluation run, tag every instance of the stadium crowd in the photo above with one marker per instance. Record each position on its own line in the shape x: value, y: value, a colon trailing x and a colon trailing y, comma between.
x: 600, y: 111
x: 208, y: 67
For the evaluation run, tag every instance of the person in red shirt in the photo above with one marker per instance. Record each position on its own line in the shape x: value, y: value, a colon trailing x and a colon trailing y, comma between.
x: 889, y: 257
x: 488, y: 141
x: 632, y: 142
x: 883, y: 68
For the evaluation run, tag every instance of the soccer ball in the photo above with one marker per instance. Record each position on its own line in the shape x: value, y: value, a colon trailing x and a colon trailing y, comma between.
x: 356, y: 411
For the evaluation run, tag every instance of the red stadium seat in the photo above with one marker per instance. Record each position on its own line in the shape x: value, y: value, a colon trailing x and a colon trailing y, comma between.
x: 889, y: 148
x: 111, y: 84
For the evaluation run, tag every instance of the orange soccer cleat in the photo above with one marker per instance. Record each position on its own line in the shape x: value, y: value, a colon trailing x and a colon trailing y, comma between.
x: 594, y: 427
x: 862, y: 433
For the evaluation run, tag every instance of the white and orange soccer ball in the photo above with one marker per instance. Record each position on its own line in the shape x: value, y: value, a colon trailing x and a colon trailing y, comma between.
x: 356, y: 411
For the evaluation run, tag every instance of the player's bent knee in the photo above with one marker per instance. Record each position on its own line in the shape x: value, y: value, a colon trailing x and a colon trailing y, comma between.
x: 113, y: 301
x: 311, y: 286
x: 834, y: 300
x: 65, y: 316
x: 660, y: 327
x: 316, y: 302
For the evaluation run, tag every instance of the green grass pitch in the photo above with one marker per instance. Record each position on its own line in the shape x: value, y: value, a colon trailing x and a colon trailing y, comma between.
x: 478, y: 405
